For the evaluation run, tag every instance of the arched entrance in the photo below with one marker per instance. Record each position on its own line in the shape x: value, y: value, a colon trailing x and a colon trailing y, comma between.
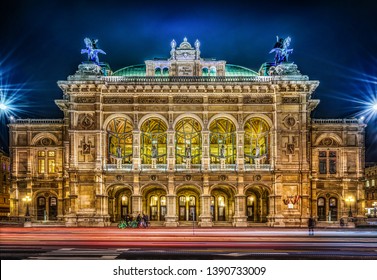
x: 327, y: 208
x: 47, y: 207
x: 257, y: 207
x: 155, y: 203
x: 222, y: 204
x: 120, y: 202
x: 188, y: 204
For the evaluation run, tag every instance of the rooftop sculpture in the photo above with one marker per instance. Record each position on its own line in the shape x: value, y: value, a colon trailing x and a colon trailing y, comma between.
x: 281, y: 50
x: 92, y: 50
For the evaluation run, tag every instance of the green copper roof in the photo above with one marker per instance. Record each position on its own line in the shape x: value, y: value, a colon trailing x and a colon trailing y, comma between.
x: 139, y: 70
x: 232, y: 70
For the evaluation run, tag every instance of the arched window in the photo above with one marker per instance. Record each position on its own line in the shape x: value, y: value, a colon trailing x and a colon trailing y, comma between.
x: 221, y: 208
x: 153, y: 208
x: 153, y: 141
x: 333, y: 208
x: 120, y: 139
x: 250, y: 203
x: 223, y: 141
x: 124, y: 206
x: 321, y: 209
x: 212, y: 207
x: 165, y: 71
x: 256, y: 144
x: 205, y: 72
x: 163, y: 209
x: 188, y: 141
x: 157, y: 71
x: 182, y: 208
x: 212, y: 71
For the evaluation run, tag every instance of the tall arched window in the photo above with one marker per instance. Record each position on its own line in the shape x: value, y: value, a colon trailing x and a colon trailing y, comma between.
x: 212, y: 71
x: 165, y: 71
x: 321, y: 209
x: 157, y: 71
x: 223, y: 141
x: 250, y: 202
x: 188, y: 141
x: 256, y: 144
x: 119, y: 132
x: 205, y: 72
x: 153, y: 141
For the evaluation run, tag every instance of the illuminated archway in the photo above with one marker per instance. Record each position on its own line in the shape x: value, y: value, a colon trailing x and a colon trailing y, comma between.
x: 256, y: 141
x: 188, y: 141
x: 153, y: 141
x: 223, y: 141
x: 119, y: 131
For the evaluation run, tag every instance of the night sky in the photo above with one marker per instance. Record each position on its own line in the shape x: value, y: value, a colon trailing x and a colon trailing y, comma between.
x: 334, y: 42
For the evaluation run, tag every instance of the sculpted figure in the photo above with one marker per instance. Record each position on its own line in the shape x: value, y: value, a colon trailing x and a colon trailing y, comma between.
x: 281, y: 49
x: 91, y: 50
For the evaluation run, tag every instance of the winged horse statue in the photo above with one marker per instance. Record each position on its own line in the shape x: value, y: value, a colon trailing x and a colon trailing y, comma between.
x: 281, y: 49
x: 91, y: 50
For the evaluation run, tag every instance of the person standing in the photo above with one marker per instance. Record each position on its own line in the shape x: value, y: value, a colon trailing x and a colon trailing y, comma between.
x: 311, y: 224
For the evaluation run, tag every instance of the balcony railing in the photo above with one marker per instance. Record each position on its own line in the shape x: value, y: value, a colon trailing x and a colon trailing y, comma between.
x: 150, y: 167
x: 114, y: 167
x: 250, y: 167
x: 185, y: 167
x: 225, y: 167
x: 183, y: 79
x: 335, y: 121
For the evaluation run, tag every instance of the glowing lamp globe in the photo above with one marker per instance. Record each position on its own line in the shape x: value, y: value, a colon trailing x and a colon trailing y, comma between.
x: 3, y: 106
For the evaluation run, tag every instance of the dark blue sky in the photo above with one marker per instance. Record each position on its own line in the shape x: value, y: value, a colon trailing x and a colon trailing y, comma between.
x: 334, y: 42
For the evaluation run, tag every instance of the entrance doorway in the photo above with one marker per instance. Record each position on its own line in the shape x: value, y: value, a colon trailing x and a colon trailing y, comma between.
x: 47, y: 208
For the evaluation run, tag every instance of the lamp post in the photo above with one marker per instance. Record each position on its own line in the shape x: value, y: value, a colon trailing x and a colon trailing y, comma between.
x: 27, y: 199
x: 350, y: 199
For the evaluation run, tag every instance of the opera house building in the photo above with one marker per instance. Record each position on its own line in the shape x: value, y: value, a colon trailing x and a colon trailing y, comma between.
x: 187, y: 140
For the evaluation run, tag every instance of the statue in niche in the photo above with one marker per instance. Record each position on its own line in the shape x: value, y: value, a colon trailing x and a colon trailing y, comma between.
x: 281, y: 49
x: 86, y: 149
x: 257, y: 151
x: 119, y: 152
x: 188, y: 151
x: 154, y: 151
x: 92, y: 50
x: 222, y: 151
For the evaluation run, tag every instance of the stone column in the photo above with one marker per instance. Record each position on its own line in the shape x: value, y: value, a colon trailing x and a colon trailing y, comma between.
x: 205, y: 219
x: 171, y: 218
x: 240, y: 150
x: 136, y: 150
x: 205, y: 151
x: 170, y: 150
x: 239, y: 218
x: 71, y: 216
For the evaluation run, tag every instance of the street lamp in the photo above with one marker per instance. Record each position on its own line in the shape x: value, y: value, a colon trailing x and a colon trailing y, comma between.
x: 27, y: 199
x: 350, y: 199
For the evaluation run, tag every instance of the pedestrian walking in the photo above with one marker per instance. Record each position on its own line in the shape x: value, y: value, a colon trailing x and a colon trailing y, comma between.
x: 311, y: 224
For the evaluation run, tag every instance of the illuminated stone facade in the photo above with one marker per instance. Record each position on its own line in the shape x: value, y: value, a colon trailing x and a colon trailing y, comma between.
x: 371, y: 191
x: 4, y: 184
x: 187, y: 138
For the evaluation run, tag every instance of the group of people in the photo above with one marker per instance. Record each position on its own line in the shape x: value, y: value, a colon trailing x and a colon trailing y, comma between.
x: 139, y: 221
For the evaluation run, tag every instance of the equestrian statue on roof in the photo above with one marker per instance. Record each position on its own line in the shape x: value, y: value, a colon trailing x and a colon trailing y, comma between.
x: 281, y: 49
x: 92, y: 50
